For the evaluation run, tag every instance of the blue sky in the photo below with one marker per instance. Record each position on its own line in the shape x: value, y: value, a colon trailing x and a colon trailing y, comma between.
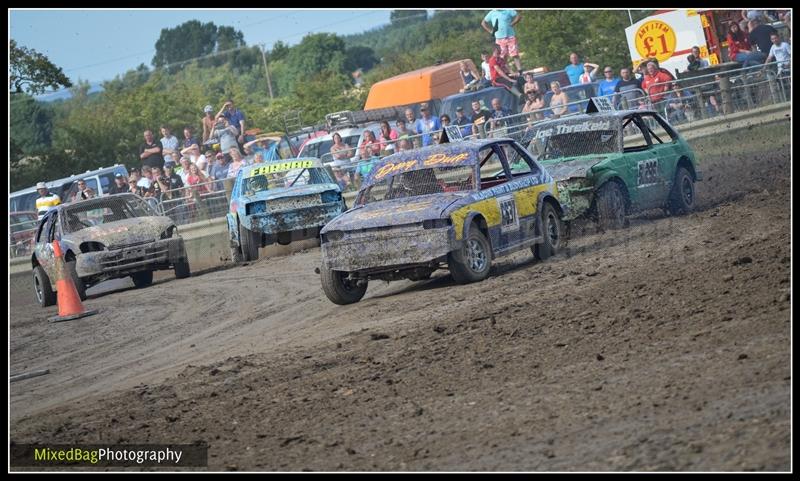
x: 97, y: 45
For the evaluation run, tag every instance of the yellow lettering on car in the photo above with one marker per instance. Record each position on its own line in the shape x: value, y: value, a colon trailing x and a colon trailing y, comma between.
x: 443, y: 159
x: 281, y: 167
x: 394, y: 168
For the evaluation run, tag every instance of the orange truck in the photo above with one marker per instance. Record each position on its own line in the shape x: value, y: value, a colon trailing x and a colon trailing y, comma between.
x: 429, y: 84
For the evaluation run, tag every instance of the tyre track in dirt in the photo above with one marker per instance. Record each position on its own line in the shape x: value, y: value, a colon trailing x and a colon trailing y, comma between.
x: 657, y: 347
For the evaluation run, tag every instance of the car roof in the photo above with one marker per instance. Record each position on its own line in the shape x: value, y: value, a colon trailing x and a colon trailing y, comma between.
x: 59, y: 182
x: 612, y: 115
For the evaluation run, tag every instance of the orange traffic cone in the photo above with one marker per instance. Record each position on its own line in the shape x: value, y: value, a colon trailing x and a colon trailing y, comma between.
x: 69, y: 302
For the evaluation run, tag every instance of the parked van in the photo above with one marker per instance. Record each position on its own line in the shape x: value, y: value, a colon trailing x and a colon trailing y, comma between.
x: 423, y: 85
x: 99, y: 180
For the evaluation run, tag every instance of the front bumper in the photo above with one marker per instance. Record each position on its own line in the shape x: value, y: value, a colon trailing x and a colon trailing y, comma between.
x: 132, y: 258
x: 292, y: 220
x: 387, y: 247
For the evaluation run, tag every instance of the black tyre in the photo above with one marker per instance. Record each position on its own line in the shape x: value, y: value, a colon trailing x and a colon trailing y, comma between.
x: 610, y: 203
x: 250, y: 242
x: 182, y: 270
x: 236, y: 255
x: 41, y: 288
x: 681, y: 198
x: 79, y: 285
x: 473, y: 261
x: 553, y: 231
x: 339, y: 289
x: 142, y: 279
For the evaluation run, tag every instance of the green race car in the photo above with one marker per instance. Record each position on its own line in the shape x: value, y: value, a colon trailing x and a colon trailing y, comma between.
x: 610, y: 164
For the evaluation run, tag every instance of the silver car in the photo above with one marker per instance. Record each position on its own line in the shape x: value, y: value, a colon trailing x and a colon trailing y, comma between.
x: 105, y: 238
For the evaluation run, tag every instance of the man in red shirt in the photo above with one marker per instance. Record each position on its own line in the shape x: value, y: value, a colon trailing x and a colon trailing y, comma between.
x: 500, y: 74
x: 656, y: 83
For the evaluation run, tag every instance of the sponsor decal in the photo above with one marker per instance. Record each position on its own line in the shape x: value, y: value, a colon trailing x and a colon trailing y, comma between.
x: 561, y: 129
x: 444, y: 159
x: 281, y: 167
x: 395, y: 168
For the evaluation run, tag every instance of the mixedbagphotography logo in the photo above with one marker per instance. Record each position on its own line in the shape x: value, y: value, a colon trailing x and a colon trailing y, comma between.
x: 144, y: 455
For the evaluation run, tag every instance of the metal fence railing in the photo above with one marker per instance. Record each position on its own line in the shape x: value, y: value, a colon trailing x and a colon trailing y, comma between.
x: 195, y: 203
x: 728, y: 92
x: 21, y: 239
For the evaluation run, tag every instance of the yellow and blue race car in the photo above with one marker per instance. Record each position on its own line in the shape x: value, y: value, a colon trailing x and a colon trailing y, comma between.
x: 282, y: 201
x: 457, y: 205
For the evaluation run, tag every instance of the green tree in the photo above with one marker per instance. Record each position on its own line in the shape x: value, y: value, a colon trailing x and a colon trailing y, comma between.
x: 31, y: 124
x: 189, y: 40
x: 315, y: 53
x: 32, y: 72
x: 359, y: 57
x: 279, y: 51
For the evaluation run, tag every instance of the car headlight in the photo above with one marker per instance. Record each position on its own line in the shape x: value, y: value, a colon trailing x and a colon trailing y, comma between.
x: 331, y: 196
x: 435, y: 223
x: 171, y: 230
x: 92, y: 246
x: 333, y: 235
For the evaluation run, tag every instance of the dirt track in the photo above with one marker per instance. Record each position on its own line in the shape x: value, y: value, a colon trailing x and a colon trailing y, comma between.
x: 658, y: 347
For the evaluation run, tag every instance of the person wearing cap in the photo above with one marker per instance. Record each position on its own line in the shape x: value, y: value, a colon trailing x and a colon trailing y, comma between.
x: 589, y: 73
x: 208, y: 122
x: 463, y: 121
x: 427, y: 124
x: 46, y: 199
x: 120, y: 186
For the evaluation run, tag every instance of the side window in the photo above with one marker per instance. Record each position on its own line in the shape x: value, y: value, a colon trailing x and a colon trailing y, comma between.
x: 41, y: 233
x: 51, y: 228
x: 634, y: 139
x: 519, y: 161
x: 491, y: 170
x: 105, y: 183
x: 659, y: 130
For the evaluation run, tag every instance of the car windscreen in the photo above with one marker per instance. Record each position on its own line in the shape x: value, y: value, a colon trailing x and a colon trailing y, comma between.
x: 104, y: 211
x: 419, y: 182
x: 290, y: 178
x: 573, y: 140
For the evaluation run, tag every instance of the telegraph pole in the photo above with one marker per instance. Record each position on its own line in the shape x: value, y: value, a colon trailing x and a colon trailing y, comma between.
x: 266, y: 69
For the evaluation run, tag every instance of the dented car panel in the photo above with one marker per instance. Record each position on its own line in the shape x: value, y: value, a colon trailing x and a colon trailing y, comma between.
x: 419, y: 231
x: 110, y: 248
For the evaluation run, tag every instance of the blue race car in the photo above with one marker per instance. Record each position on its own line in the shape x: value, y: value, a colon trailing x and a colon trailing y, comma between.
x: 456, y: 205
x: 281, y: 202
